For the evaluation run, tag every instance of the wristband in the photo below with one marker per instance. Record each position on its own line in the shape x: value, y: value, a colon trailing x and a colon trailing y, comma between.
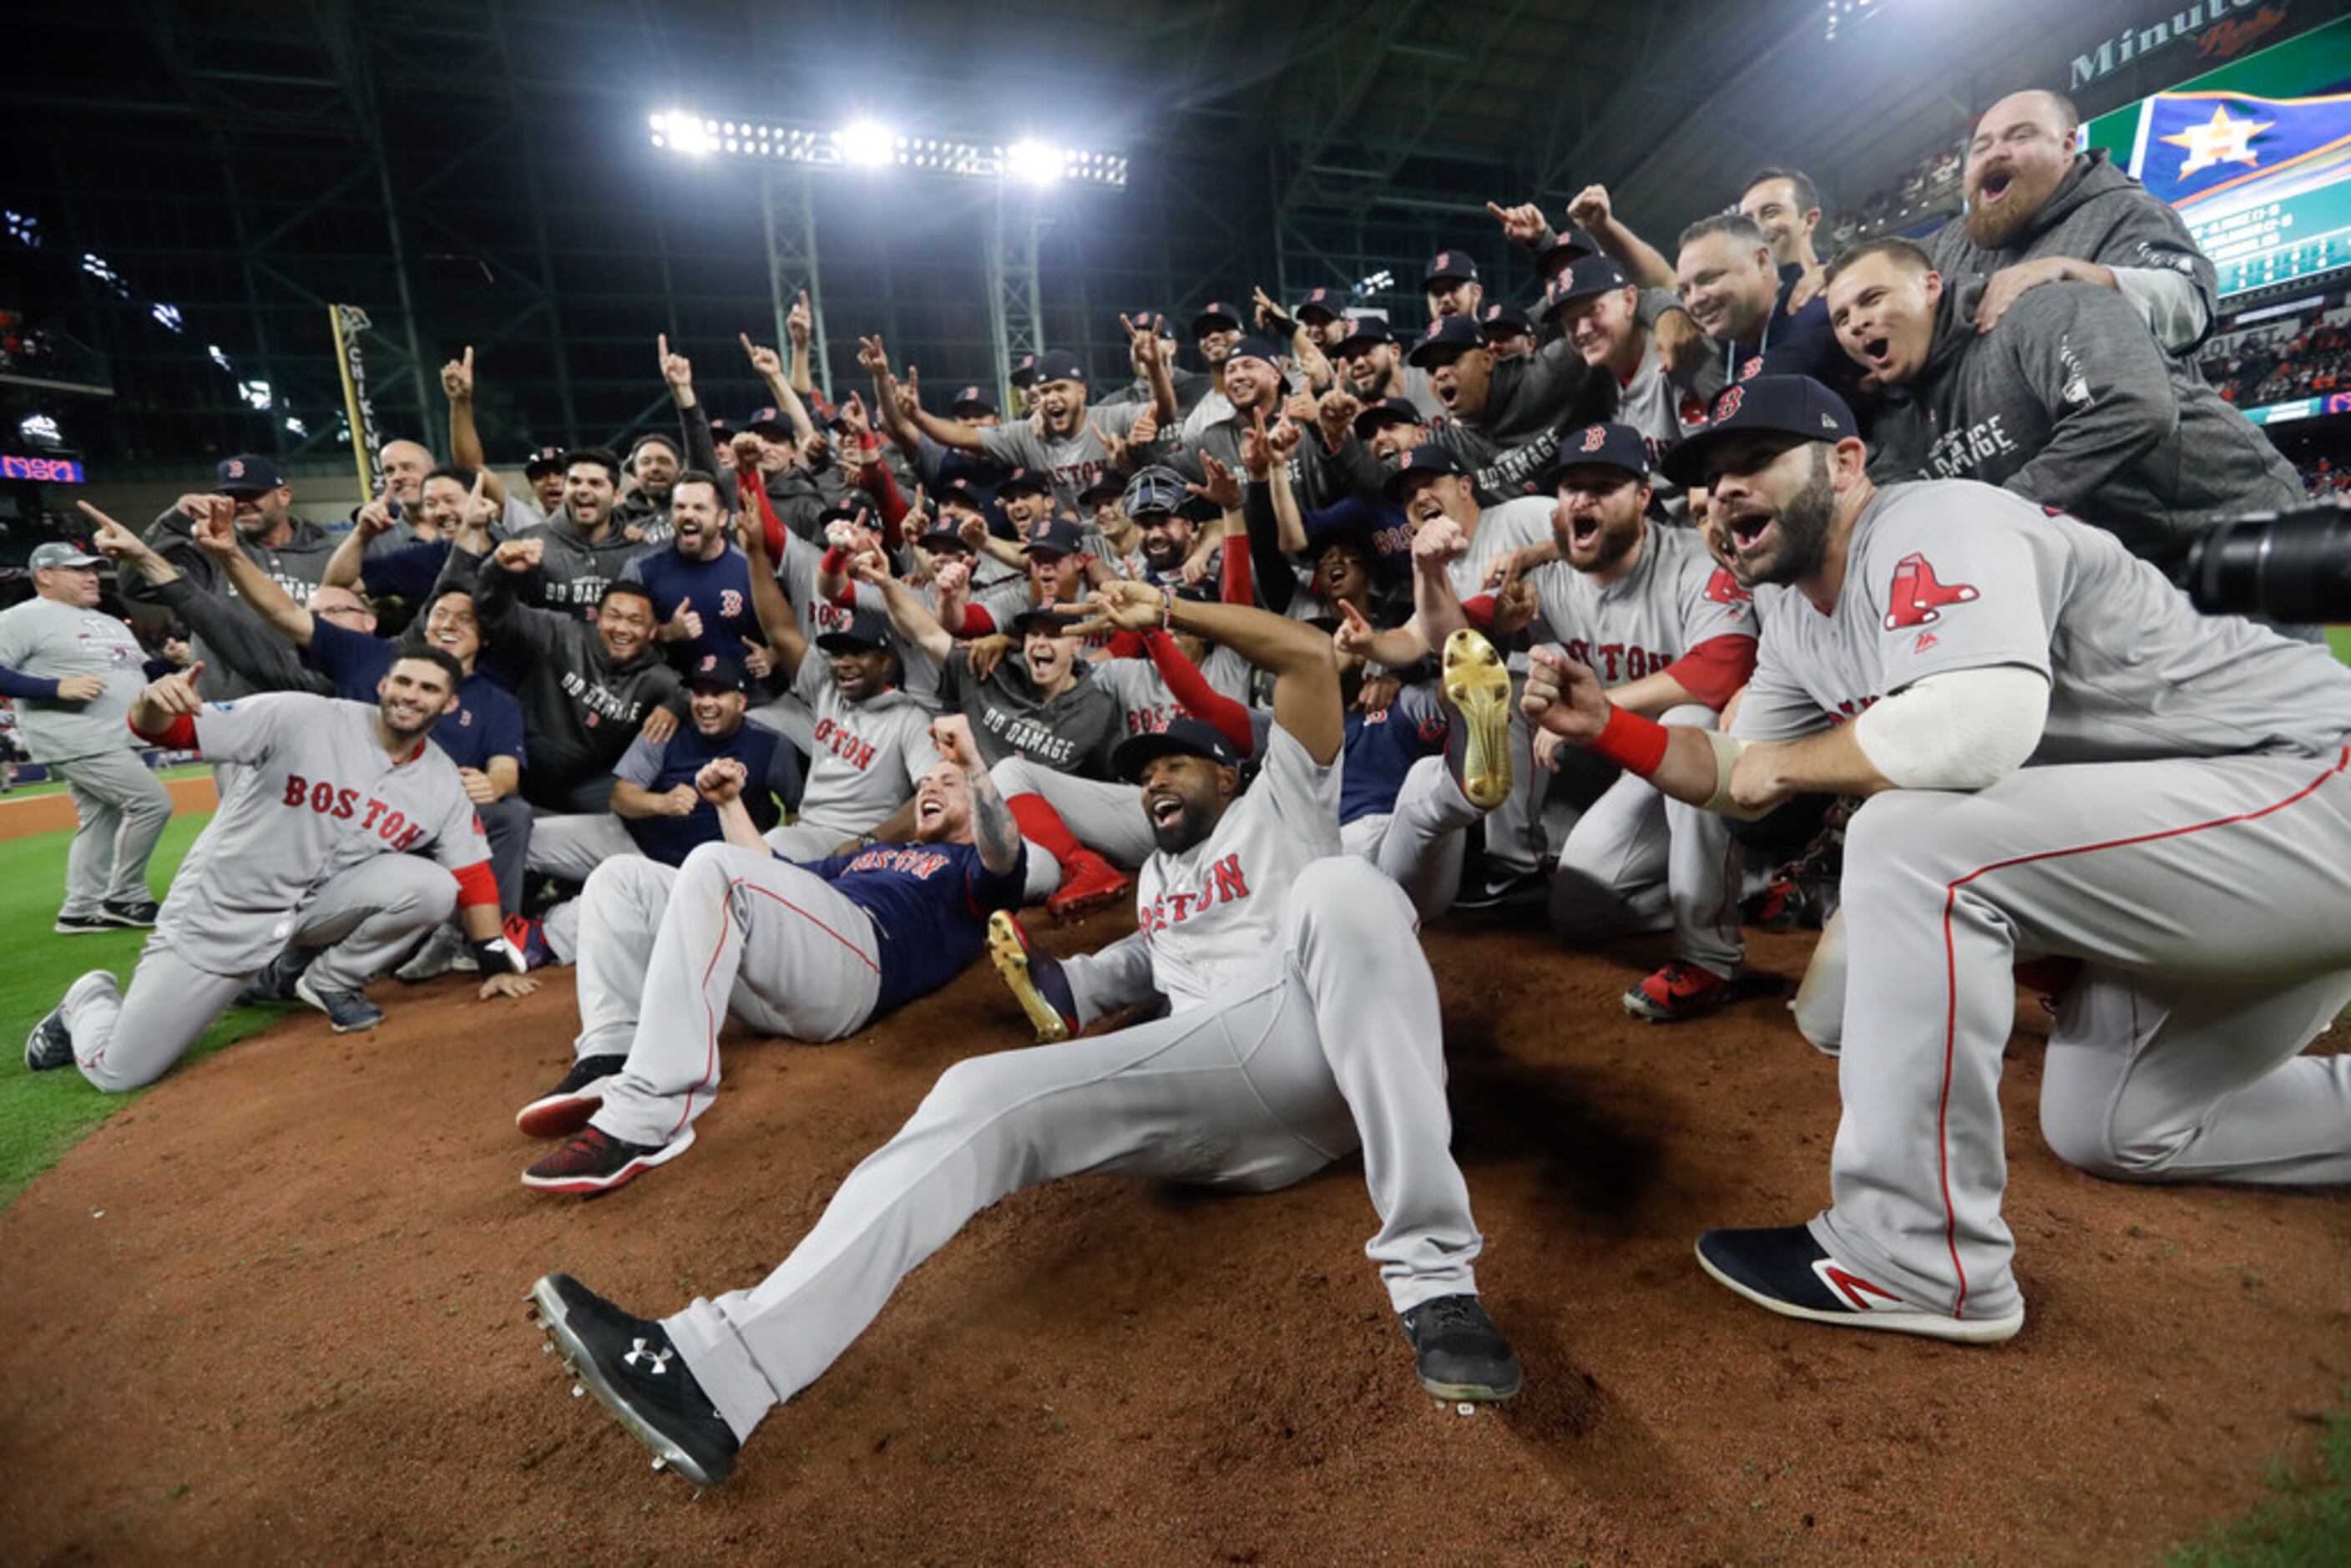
x: 494, y: 955
x: 1636, y: 745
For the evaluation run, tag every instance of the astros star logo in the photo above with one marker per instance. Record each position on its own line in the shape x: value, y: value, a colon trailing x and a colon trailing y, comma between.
x: 2218, y: 140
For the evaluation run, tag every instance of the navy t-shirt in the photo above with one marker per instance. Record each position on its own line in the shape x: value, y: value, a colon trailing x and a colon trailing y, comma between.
x: 720, y: 591
x: 929, y: 904
x: 407, y: 572
x: 773, y: 768
x: 485, y: 722
x: 1804, y: 344
x: 1381, y: 749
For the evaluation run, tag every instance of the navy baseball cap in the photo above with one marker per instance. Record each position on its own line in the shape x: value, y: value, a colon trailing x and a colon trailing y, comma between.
x: 770, y: 417
x: 1057, y: 365
x: 1449, y: 267
x: 943, y: 535
x: 719, y: 670
x: 1024, y: 371
x: 961, y: 492
x: 1105, y: 488
x: 1386, y: 412
x: 544, y: 460
x: 973, y: 397
x: 58, y: 552
x: 1363, y: 332
x: 1025, y: 480
x: 1153, y: 490
x: 866, y: 628
x: 1041, y: 617
x: 1250, y: 345
x: 1563, y: 247
x: 1213, y: 313
x: 1332, y: 302
x: 248, y: 474
x: 1591, y: 275
x: 1795, y: 406
x: 1598, y: 447
x: 848, y: 512
x: 1426, y: 458
x: 1445, y: 341
x: 1055, y: 535
x: 1184, y: 737
x: 1153, y: 321
x: 1505, y: 321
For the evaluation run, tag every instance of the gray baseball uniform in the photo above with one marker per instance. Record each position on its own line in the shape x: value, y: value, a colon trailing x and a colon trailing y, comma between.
x: 2184, y: 828
x: 1636, y: 859
x: 1068, y: 462
x: 865, y: 762
x: 121, y: 807
x: 1303, y: 1024
x: 324, y: 843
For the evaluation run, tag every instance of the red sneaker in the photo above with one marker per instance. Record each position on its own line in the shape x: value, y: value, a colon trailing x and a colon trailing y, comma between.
x: 1088, y: 882
x: 1679, y: 991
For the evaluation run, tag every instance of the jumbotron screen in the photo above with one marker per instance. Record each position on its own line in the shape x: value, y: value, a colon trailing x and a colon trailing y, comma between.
x: 2255, y: 156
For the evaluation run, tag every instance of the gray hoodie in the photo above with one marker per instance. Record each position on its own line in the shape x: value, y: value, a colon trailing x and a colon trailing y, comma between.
x: 2070, y: 403
x: 574, y: 571
x: 2096, y: 213
x: 297, y: 566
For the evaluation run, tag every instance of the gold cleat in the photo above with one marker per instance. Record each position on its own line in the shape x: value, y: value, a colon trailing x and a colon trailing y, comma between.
x: 1007, y: 948
x: 1477, y: 683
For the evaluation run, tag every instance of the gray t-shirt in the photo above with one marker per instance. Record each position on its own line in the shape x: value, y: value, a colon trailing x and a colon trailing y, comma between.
x: 1070, y: 733
x: 1954, y: 575
x: 316, y: 796
x: 1147, y: 706
x: 51, y: 641
x: 1068, y: 462
x: 866, y: 757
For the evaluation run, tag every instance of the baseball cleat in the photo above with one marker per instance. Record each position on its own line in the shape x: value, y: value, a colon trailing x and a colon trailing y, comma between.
x: 131, y: 914
x: 565, y: 1109
x: 443, y: 951
x: 1785, y: 1270
x: 635, y: 1371
x: 275, y: 980
x: 1088, y: 882
x: 50, y: 1045
x: 82, y: 924
x: 1679, y: 991
x: 1034, y: 979
x: 348, y: 1011
x: 1460, y: 1355
x: 1477, y: 683
x: 595, y: 1162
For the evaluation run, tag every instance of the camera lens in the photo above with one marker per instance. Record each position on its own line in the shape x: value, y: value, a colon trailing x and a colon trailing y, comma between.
x: 2295, y: 567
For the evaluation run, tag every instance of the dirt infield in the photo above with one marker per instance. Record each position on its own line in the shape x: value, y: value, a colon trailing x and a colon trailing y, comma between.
x: 54, y: 812
x: 274, y: 1312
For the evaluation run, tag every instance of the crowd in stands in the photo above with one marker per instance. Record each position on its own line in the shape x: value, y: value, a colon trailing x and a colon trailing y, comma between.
x: 2262, y: 365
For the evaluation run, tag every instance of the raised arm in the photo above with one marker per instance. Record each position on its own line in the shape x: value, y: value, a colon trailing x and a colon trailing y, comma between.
x: 777, y: 621
x: 875, y: 358
x: 994, y: 833
x: 768, y: 366
x: 1594, y: 213
x: 216, y: 537
x: 1306, y: 677
x: 799, y: 332
x: 721, y: 783
x: 464, y: 441
x: 909, y: 615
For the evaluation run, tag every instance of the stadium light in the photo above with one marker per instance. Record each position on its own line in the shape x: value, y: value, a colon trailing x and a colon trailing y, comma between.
x: 869, y: 144
x: 865, y: 142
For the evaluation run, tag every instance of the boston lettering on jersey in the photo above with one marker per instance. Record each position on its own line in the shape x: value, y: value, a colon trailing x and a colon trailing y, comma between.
x: 1605, y: 659
x: 837, y: 739
x: 328, y: 801
x: 919, y: 863
x: 1224, y: 884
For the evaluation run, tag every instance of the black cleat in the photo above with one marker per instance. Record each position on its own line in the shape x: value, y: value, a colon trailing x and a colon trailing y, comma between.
x: 348, y: 1011
x: 1462, y: 1355
x: 82, y: 924
x: 135, y: 914
x: 1785, y: 1270
x: 634, y: 1370
x: 565, y: 1109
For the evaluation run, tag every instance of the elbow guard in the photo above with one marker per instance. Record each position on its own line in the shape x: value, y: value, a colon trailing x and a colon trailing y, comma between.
x: 1963, y: 730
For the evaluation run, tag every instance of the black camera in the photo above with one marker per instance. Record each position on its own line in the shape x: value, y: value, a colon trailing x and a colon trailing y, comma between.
x: 2291, y: 567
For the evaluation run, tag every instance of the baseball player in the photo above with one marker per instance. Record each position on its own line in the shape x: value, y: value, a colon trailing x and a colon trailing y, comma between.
x: 1302, y: 1023
x: 348, y: 837
x: 291, y: 550
x: 1596, y: 308
x: 72, y: 671
x: 2062, y: 758
x: 700, y: 585
x: 581, y: 548
x: 813, y: 952
x: 1672, y: 636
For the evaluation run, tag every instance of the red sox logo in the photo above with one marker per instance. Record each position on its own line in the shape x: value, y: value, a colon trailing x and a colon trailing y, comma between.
x: 1916, y: 598
x: 1750, y: 368
x: 1727, y: 403
x: 235, y: 467
x: 1596, y: 437
x: 1723, y: 589
x: 1443, y: 262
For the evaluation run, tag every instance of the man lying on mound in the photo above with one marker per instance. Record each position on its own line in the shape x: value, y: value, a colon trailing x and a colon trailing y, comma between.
x: 1301, y: 1025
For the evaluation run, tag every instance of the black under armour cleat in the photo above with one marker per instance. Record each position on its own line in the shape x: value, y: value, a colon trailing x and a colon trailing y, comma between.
x: 1461, y: 1355
x: 634, y: 1370
x: 131, y: 914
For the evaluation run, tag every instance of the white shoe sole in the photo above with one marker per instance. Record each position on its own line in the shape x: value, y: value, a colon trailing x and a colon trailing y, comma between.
x: 1477, y: 683
x: 1890, y: 1320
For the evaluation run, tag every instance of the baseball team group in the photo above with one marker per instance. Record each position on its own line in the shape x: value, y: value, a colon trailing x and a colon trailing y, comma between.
x: 1727, y: 581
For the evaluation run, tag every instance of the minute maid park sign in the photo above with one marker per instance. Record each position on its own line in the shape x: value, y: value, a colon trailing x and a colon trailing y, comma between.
x: 2222, y: 28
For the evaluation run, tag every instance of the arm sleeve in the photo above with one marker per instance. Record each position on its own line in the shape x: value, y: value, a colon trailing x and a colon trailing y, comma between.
x: 883, y: 485
x: 1272, y: 573
x: 238, y: 637
x: 641, y: 764
x: 2174, y: 310
x: 701, y: 450
x: 1716, y: 668
x: 1962, y: 729
x: 15, y: 683
x: 1200, y: 698
x: 771, y: 527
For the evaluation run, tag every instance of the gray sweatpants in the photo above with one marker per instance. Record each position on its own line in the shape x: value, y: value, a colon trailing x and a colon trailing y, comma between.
x: 365, y: 918
x: 1638, y: 861
x: 2211, y: 901
x: 124, y: 809
x: 1343, y: 1050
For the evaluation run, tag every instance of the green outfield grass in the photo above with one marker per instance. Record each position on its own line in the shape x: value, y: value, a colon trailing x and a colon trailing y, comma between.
x: 51, y: 786
x: 2339, y: 639
x: 43, y: 1114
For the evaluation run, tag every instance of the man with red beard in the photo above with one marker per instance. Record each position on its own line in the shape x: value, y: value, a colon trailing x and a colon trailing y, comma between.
x: 2038, y: 212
